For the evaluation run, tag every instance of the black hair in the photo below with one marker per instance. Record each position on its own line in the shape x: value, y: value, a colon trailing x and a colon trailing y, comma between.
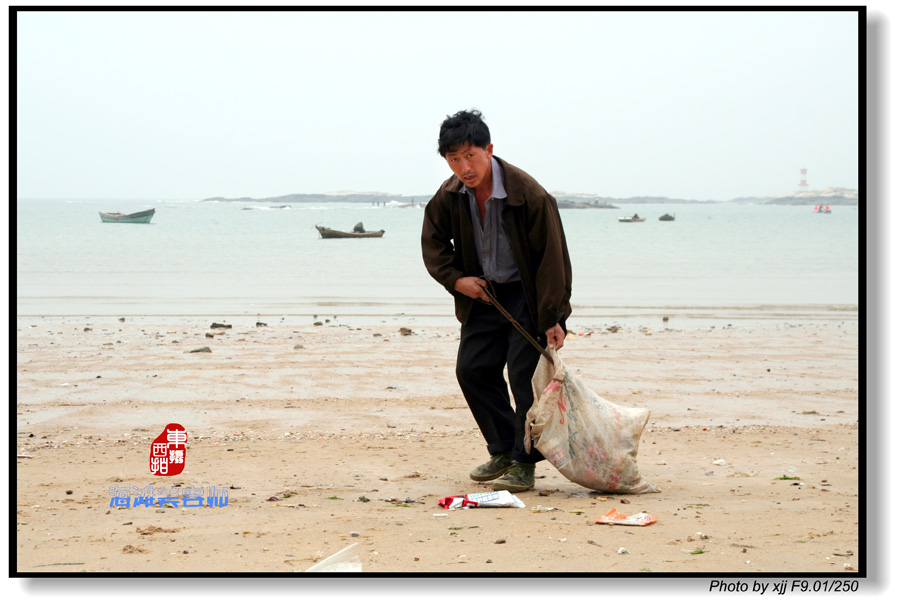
x: 465, y: 126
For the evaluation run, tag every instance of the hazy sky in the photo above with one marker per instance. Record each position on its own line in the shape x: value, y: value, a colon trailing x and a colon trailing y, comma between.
x: 189, y: 105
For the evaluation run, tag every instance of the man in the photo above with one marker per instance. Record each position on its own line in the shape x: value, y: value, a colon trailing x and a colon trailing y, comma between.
x: 492, y: 226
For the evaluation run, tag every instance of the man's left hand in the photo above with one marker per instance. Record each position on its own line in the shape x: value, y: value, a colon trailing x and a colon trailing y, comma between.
x: 556, y: 337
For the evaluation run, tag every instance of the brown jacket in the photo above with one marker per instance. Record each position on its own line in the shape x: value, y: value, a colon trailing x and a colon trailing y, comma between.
x: 535, y: 231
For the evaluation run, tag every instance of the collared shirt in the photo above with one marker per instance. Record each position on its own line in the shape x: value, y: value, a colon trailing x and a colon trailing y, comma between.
x: 491, y: 240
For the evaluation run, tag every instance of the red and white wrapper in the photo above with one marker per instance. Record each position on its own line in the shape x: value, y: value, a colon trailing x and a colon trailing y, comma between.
x: 614, y: 517
x: 501, y: 499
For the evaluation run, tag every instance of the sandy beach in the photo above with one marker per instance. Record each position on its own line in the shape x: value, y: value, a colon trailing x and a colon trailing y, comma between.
x: 338, y: 434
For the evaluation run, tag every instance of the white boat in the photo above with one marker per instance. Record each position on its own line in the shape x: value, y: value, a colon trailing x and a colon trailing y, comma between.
x: 632, y: 219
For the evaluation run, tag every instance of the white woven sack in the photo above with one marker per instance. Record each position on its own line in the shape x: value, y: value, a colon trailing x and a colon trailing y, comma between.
x: 593, y: 442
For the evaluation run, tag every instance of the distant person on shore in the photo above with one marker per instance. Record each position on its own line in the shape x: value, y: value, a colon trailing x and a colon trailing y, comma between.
x: 491, y: 225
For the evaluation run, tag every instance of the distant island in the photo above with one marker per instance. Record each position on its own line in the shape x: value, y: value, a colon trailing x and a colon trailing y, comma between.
x: 567, y: 200
x: 396, y: 200
x: 370, y: 197
x: 834, y: 196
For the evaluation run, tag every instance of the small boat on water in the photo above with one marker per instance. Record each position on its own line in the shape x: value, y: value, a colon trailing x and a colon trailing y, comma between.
x: 632, y: 219
x: 139, y: 217
x: 358, y: 232
x: 667, y: 217
x: 821, y: 208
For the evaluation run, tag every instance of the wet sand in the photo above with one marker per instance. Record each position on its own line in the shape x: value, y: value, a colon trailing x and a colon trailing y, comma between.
x: 336, y: 434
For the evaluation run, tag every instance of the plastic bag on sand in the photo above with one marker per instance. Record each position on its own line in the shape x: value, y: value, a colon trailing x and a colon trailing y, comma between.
x: 347, y: 561
x: 592, y: 441
x: 614, y: 517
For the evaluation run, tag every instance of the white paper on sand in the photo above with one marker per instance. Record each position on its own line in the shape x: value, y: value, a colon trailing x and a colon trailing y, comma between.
x: 347, y: 561
x: 498, y: 499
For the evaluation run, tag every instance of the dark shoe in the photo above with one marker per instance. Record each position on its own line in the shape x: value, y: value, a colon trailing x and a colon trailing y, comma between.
x: 494, y: 468
x: 518, y: 478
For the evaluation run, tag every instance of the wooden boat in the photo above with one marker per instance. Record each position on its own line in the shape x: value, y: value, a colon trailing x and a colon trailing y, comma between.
x: 633, y: 219
x: 327, y: 233
x: 139, y: 217
x: 667, y: 217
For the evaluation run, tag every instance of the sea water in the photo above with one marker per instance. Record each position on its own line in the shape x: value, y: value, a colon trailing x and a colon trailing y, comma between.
x: 228, y: 259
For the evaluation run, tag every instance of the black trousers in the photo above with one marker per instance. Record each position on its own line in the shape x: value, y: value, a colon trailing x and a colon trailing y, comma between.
x: 488, y: 343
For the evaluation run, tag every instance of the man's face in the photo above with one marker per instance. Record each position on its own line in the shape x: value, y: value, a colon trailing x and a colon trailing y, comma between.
x: 471, y: 163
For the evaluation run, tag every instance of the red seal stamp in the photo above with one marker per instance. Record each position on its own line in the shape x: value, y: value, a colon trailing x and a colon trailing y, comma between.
x: 168, y: 451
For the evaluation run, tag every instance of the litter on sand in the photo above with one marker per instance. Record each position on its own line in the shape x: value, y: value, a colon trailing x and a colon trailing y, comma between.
x: 345, y: 561
x: 614, y: 517
x: 481, y: 500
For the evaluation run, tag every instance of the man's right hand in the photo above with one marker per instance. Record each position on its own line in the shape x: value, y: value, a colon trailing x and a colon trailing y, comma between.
x: 473, y: 287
